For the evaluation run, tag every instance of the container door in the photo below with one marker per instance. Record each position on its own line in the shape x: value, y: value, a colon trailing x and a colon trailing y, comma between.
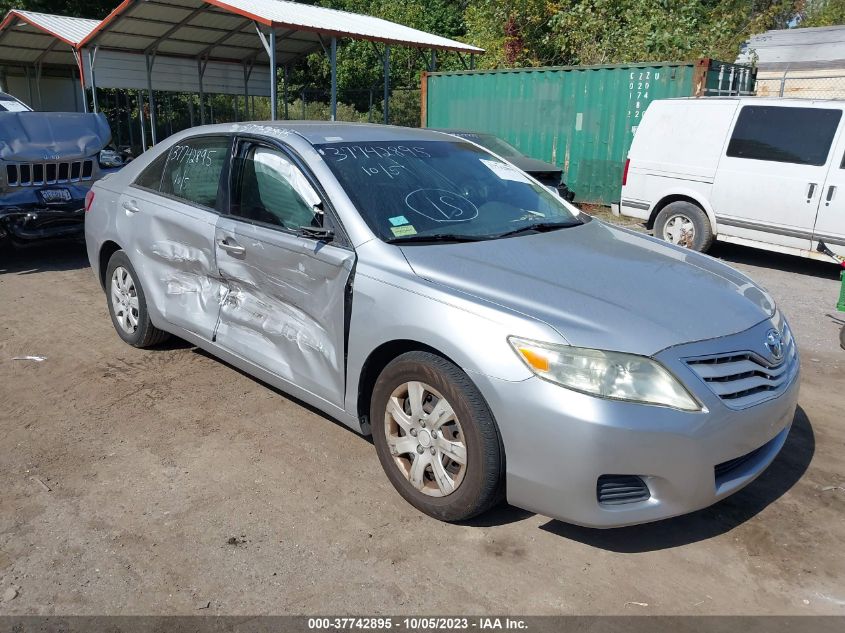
x: 769, y: 182
x: 830, y: 222
x: 286, y: 303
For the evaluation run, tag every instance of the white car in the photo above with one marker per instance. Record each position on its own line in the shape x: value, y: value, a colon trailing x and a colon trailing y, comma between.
x: 761, y: 172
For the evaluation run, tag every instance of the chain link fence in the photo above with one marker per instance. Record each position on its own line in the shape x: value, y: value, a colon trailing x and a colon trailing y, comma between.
x: 821, y: 84
x: 126, y: 110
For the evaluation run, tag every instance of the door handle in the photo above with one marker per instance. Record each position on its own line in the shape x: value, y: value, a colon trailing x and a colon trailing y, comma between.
x: 232, y: 249
x: 131, y: 206
x: 831, y: 191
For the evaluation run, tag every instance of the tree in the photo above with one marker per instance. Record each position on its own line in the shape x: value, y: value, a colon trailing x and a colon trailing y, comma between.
x: 618, y: 31
x: 822, y: 13
x: 93, y: 9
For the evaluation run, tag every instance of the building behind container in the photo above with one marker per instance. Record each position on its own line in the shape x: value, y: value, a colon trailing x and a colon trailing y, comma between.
x: 806, y: 63
x: 580, y: 118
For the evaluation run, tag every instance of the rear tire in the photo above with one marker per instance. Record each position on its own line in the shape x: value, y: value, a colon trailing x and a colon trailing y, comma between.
x: 842, y: 337
x: 684, y: 224
x: 128, y: 304
x: 427, y: 418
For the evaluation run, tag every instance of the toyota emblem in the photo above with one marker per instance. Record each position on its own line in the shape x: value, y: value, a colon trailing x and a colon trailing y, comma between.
x: 774, y: 343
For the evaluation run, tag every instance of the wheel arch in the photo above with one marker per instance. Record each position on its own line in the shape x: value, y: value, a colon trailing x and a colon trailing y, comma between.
x: 375, y: 363
x: 683, y: 196
x: 108, y: 249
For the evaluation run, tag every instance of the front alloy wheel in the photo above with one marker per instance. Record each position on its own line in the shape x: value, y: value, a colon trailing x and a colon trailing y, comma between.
x: 425, y: 439
x: 436, y: 438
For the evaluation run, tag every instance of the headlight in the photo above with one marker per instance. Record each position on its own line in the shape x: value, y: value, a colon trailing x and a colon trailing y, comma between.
x: 605, y: 374
x: 109, y: 158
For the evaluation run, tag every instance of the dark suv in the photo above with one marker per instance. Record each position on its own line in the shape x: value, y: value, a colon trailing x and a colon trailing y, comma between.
x: 48, y: 161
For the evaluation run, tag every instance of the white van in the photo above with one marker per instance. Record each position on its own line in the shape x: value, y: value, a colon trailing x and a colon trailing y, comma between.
x: 768, y: 173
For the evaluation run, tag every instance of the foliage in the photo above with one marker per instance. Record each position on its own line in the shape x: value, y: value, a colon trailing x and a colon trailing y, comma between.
x: 93, y: 9
x: 551, y: 32
x: 524, y: 33
x: 822, y: 13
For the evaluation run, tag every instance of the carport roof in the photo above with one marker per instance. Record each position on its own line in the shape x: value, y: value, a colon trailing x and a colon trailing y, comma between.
x: 225, y: 30
x: 27, y: 37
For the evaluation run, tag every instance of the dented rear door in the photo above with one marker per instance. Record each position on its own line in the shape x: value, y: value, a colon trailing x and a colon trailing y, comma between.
x: 286, y: 303
x: 173, y: 217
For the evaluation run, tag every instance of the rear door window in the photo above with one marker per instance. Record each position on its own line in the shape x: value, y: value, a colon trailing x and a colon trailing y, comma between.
x: 784, y: 134
x: 193, y: 168
x: 150, y: 178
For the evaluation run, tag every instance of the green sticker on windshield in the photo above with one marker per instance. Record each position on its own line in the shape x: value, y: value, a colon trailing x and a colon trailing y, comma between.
x: 400, y: 231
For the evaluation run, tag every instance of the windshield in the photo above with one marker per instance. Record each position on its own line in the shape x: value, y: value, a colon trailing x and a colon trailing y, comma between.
x: 437, y: 188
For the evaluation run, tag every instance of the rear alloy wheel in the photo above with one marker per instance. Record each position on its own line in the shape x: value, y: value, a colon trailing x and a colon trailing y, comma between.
x: 128, y: 304
x: 684, y: 224
x: 124, y: 300
x: 436, y: 438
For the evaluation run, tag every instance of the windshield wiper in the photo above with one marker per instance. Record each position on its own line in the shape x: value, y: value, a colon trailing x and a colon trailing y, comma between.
x: 437, y: 237
x: 539, y: 227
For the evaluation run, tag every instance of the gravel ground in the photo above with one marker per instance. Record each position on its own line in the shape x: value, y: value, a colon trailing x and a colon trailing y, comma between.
x: 166, y: 482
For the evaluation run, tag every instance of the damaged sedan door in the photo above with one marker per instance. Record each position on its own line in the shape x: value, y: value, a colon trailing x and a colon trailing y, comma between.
x: 286, y: 306
x: 173, y: 209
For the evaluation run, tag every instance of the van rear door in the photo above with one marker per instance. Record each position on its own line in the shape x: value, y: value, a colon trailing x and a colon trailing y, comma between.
x: 770, y: 178
x: 830, y: 221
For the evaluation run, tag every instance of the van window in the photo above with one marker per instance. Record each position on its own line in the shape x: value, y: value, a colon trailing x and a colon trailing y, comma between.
x: 784, y: 135
x: 193, y: 169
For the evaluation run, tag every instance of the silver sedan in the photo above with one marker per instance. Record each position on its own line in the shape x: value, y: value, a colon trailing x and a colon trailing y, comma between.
x: 495, y: 341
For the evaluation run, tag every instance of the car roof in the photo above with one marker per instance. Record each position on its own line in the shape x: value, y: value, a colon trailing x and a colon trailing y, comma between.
x: 460, y: 131
x: 318, y: 132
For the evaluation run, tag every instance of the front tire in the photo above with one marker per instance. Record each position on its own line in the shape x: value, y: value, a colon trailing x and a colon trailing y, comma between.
x: 684, y: 224
x: 436, y: 438
x: 128, y: 304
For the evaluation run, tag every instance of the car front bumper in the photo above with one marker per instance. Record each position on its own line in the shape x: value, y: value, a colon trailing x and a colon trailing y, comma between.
x: 559, y: 442
x: 28, y: 224
x: 25, y: 217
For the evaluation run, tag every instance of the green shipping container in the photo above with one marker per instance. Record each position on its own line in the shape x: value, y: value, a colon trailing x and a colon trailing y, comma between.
x: 580, y: 118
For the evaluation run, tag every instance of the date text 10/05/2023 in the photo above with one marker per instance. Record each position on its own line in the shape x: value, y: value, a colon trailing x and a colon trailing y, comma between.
x: 417, y: 623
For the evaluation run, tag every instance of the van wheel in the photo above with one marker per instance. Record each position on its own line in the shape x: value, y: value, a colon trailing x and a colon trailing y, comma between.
x: 685, y: 224
x: 128, y: 305
x: 436, y: 438
x: 842, y: 337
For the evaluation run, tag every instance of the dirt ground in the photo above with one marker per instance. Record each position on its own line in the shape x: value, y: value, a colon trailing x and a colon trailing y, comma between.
x: 166, y: 482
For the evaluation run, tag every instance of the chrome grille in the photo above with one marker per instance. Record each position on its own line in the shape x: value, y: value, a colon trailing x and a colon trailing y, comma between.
x: 743, y: 379
x: 35, y: 174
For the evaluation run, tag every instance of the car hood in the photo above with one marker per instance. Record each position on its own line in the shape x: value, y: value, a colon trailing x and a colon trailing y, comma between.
x: 40, y: 136
x: 601, y: 286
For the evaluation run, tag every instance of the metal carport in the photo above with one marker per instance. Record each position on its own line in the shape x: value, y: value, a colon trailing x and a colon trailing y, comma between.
x: 33, y: 40
x: 247, y: 32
